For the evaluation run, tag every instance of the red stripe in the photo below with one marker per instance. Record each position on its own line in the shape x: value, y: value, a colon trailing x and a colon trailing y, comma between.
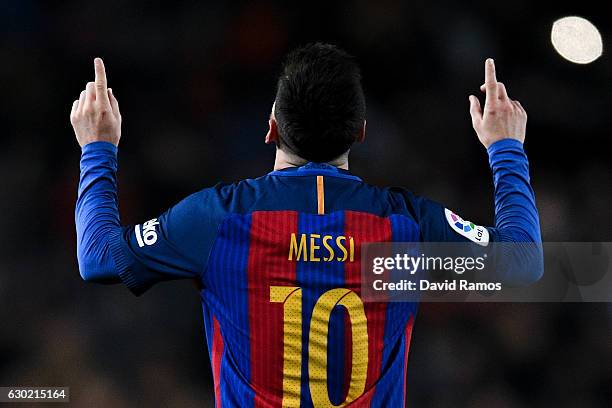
x: 269, y: 242
x: 407, y: 340
x: 217, y: 354
x: 365, y: 228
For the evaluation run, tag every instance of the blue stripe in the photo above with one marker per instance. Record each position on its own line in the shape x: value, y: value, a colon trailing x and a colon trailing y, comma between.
x: 208, y: 329
x: 316, y: 278
x: 226, y: 293
x: 389, y: 392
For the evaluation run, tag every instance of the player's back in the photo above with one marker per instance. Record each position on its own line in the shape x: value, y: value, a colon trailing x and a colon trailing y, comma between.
x: 278, y: 258
x: 285, y: 322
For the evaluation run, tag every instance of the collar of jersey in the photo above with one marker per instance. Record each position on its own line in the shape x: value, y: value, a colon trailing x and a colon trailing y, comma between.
x: 315, y: 169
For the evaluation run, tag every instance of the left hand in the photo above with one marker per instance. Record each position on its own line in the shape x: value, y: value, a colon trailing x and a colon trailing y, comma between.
x: 95, y: 116
x: 502, y: 117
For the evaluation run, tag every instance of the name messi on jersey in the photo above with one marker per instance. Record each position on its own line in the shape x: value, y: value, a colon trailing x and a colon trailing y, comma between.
x: 317, y: 248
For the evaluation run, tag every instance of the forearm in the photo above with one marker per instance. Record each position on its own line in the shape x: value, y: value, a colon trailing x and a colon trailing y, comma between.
x: 516, y: 215
x: 97, y: 213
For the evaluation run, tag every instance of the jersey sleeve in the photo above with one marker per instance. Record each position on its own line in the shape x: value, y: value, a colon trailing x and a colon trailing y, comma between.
x: 517, y: 225
x: 439, y: 224
x: 174, y: 245
x: 516, y: 214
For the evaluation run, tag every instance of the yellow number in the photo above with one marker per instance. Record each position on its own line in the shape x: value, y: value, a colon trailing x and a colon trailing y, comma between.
x: 317, y: 344
x: 292, y: 339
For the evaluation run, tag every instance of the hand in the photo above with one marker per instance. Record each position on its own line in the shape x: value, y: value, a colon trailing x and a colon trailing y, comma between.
x: 95, y: 115
x: 503, y: 118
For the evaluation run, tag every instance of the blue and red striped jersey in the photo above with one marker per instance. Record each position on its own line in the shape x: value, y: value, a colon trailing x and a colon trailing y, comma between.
x: 277, y: 260
x: 281, y: 289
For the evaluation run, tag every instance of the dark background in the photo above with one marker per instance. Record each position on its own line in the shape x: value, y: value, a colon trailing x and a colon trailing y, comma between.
x: 195, y: 82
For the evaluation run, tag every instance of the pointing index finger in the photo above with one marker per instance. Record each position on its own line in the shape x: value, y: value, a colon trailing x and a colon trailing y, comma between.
x: 490, y: 80
x: 101, y: 92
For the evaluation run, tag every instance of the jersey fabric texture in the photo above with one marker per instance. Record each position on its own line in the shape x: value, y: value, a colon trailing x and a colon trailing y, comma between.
x: 277, y: 260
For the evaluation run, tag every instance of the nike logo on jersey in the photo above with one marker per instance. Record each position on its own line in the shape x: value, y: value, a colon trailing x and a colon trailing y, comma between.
x: 148, y: 235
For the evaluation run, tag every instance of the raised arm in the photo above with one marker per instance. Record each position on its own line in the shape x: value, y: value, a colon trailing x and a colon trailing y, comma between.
x: 175, y: 245
x: 96, y: 121
x: 516, y: 231
x: 501, y: 128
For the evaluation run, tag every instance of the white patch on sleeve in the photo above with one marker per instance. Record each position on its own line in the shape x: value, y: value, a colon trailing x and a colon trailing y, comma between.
x: 475, y: 233
x: 148, y: 235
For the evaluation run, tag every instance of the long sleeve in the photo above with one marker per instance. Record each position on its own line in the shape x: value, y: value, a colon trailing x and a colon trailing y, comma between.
x: 97, y: 213
x: 517, y: 226
x: 516, y: 238
x: 174, y: 245
x: 516, y: 215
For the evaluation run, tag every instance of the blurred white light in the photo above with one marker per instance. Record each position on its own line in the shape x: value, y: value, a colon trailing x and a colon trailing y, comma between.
x: 576, y: 39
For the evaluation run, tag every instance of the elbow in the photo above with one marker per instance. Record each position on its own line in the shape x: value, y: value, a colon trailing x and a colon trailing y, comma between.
x: 523, y: 263
x: 88, y: 269
x: 94, y: 240
x: 86, y: 275
x: 531, y: 250
x: 95, y: 266
x: 85, y: 264
x: 533, y: 264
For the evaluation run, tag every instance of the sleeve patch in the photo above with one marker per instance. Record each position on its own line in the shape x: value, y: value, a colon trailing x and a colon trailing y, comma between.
x: 148, y: 235
x: 475, y: 233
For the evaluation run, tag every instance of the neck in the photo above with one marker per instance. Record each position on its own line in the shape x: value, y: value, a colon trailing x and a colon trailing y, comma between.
x: 284, y: 160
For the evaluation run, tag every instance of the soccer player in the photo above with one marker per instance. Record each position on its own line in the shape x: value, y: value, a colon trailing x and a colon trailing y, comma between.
x: 277, y: 258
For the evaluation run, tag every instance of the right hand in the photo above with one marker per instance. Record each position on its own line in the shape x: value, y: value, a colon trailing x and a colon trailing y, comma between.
x: 502, y: 118
x: 95, y: 116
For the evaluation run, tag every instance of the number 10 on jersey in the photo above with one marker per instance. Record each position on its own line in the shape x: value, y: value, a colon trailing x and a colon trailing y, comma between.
x: 291, y: 297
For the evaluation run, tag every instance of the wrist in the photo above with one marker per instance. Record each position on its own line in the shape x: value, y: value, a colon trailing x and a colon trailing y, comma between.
x: 99, y: 146
x: 503, y: 144
x: 506, y: 153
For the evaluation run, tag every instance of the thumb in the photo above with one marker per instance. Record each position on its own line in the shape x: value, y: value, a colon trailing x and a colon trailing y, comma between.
x: 475, y: 110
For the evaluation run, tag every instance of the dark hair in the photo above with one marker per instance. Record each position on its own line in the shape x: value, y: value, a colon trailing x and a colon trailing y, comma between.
x: 320, y: 105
